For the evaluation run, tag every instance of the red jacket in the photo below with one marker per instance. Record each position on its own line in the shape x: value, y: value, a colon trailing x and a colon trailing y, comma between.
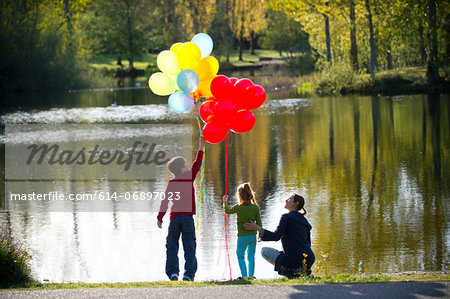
x: 180, y: 191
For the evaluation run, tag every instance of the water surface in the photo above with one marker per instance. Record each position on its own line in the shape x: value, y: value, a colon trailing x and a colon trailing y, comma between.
x: 375, y: 172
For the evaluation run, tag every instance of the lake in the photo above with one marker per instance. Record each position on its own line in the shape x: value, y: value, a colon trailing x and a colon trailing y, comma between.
x: 375, y: 173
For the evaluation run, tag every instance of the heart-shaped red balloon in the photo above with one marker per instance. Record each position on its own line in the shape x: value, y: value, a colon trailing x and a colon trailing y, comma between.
x: 233, y: 80
x: 243, y: 91
x: 224, y: 112
x: 221, y: 87
x: 207, y: 110
x: 214, y: 133
x: 259, y: 97
x: 243, y: 121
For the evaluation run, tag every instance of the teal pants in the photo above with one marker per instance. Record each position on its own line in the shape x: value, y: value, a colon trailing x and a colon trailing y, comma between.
x: 247, y: 243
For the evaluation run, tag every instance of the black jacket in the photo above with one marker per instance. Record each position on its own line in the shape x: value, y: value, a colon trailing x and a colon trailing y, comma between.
x: 294, y: 232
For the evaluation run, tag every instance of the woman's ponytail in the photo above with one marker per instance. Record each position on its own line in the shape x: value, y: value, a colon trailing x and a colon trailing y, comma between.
x: 300, y: 203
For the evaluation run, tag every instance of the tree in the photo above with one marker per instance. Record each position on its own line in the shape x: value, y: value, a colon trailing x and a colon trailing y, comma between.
x: 432, y: 63
x: 247, y: 18
x: 372, y: 42
x: 284, y: 34
x: 118, y: 27
x: 257, y: 21
x: 220, y: 30
x: 353, y: 44
x: 306, y: 12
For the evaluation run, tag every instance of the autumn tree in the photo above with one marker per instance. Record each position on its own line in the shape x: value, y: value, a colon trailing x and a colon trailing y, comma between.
x: 310, y: 14
x: 247, y: 19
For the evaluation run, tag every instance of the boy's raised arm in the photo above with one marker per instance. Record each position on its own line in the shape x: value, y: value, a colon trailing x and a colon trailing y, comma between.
x: 198, y: 161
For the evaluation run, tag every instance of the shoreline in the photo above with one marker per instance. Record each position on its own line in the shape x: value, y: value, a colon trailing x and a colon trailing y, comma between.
x: 411, y: 276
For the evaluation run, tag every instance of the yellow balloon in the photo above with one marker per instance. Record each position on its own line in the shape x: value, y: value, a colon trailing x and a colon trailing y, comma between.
x: 189, y: 56
x: 167, y: 62
x: 174, y: 79
x: 175, y: 47
x: 161, y: 84
x: 207, y: 68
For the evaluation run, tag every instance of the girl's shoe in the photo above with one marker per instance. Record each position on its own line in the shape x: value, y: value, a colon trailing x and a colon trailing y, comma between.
x: 174, y: 276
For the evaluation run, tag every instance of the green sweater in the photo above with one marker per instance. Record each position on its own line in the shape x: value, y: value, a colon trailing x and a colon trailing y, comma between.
x: 244, y: 214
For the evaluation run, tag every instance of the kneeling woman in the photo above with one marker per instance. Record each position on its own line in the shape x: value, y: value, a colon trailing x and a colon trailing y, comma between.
x: 294, y: 230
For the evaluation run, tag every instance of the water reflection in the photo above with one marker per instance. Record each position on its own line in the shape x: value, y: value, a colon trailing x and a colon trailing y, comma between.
x: 375, y: 172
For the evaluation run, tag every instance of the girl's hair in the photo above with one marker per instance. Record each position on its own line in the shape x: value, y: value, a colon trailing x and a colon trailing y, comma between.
x: 245, y: 194
x: 300, y: 203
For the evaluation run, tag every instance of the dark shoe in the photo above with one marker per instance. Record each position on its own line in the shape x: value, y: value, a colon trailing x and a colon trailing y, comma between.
x: 174, y: 277
x: 186, y: 278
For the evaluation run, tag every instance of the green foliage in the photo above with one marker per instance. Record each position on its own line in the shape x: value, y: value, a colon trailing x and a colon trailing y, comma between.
x: 117, y: 27
x: 14, y: 261
x: 284, y: 34
x: 339, y: 78
x: 220, y: 33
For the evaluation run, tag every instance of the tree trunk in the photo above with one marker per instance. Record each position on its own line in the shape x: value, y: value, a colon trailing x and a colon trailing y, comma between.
x: 241, y: 45
x: 119, y: 60
x: 389, y: 57
x: 327, y: 36
x: 447, y: 38
x: 68, y: 18
x: 423, y: 51
x: 432, y: 67
x: 130, y: 39
x: 372, y: 43
x: 252, y: 43
x: 353, y: 45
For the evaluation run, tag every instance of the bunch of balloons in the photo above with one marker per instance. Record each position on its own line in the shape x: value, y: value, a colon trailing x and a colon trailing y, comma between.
x: 186, y: 72
x: 229, y: 108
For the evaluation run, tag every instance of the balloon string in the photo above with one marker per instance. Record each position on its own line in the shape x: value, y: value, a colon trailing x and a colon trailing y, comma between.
x: 227, y: 257
x: 202, y: 190
x: 202, y: 185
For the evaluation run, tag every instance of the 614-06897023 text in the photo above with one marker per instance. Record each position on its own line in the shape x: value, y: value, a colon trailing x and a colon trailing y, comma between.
x: 101, y: 195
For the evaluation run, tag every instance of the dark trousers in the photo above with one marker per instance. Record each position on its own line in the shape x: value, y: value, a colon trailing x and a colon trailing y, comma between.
x: 181, y: 225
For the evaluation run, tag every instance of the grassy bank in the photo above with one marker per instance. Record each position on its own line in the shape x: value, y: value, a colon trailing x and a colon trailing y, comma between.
x: 313, y: 280
x: 328, y: 79
x: 147, y: 62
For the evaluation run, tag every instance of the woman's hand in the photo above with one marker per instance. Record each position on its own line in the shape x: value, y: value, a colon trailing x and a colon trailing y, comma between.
x: 225, y: 198
x: 252, y: 226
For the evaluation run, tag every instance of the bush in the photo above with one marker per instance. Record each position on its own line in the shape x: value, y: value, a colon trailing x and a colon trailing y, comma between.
x: 14, y: 261
x: 339, y: 78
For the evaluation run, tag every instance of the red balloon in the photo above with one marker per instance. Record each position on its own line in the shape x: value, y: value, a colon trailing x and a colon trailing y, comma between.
x: 221, y: 87
x: 257, y: 100
x: 233, y: 80
x: 207, y: 110
x: 224, y: 112
x: 243, y: 121
x: 214, y: 133
x: 243, y: 91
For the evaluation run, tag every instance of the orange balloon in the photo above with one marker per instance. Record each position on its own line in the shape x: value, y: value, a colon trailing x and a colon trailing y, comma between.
x: 207, y: 68
x: 203, y: 89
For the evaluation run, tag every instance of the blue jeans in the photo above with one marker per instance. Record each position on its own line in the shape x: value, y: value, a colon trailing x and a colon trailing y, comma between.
x: 270, y: 254
x: 184, y: 225
x: 246, y: 243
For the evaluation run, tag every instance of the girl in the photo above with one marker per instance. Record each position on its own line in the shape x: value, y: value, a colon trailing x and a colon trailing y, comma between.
x: 247, y: 211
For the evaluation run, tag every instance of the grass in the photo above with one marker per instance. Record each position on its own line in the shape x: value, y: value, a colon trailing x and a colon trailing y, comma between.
x: 14, y: 261
x: 109, y: 62
x: 310, y: 280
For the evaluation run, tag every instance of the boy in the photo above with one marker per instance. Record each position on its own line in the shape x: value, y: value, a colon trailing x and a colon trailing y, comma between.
x: 180, y: 190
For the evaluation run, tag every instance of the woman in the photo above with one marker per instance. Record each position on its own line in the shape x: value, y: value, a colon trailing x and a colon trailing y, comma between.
x: 294, y: 232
